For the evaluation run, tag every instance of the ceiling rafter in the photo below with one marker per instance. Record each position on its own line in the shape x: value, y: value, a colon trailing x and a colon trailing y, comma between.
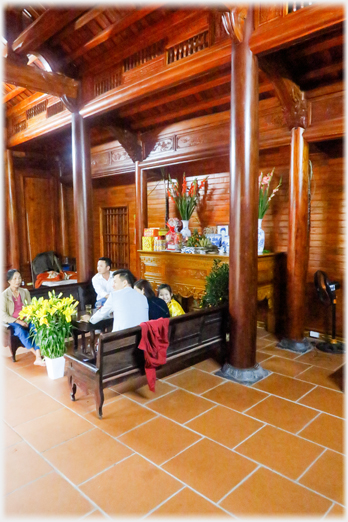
x: 48, y: 24
x: 12, y: 94
x: 111, y: 31
x: 149, y: 36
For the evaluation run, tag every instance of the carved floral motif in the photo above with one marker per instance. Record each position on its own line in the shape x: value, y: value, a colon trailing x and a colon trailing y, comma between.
x: 164, y: 145
x: 101, y: 160
x: 117, y: 156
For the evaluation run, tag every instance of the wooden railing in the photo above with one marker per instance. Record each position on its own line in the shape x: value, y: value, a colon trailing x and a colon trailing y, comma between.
x: 143, y: 56
x: 296, y: 6
x: 188, y: 47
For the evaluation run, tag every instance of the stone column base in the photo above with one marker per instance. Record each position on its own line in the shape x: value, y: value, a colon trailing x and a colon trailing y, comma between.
x: 303, y: 346
x: 246, y: 376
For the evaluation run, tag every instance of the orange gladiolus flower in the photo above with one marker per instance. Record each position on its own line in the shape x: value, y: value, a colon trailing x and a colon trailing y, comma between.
x: 184, y: 186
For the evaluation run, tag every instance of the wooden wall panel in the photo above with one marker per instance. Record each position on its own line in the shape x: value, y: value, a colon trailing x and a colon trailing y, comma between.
x: 121, y: 193
x: 70, y: 220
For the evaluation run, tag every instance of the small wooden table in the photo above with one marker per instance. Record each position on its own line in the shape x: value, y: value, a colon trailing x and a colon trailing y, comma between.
x: 186, y: 274
x: 81, y: 328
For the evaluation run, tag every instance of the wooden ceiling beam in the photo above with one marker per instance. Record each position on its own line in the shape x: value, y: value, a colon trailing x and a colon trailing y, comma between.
x: 183, y: 112
x: 48, y: 24
x: 87, y: 17
x: 110, y: 31
x: 176, y: 96
x: 12, y: 94
x: 294, y: 27
x: 38, y: 80
x: 147, y: 37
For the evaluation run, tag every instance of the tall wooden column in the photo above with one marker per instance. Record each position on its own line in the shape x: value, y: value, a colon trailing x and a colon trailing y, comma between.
x: 244, y: 151
x: 82, y: 184
x: 298, y: 240
x: 12, y: 216
x: 140, y: 208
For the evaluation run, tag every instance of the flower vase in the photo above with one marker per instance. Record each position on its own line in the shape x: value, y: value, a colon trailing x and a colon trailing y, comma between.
x: 260, y: 238
x: 185, y: 232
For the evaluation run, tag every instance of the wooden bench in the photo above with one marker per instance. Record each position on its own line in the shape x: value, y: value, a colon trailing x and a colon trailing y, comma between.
x: 119, y: 359
x: 83, y: 292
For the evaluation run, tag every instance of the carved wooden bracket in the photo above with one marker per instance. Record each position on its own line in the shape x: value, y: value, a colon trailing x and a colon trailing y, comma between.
x: 294, y: 104
x: 128, y: 139
x: 70, y: 103
x: 233, y: 22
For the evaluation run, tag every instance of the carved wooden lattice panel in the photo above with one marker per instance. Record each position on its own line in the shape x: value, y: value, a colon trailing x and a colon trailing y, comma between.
x: 191, y: 46
x: 115, y: 238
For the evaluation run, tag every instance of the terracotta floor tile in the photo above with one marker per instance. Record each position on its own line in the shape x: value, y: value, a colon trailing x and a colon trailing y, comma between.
x: 235, y: 396
x: 22, y: 465
x: 120, y: 416
x: 329, y: 401
x: 210, y: 469
x: 49, y: 496
x: 30, y: 372
x: 326, y: 430
x: 322, y: 359
x: 263, y: 342
x: 336, y: 511
x: 143, y: 394
x: 159, y: 440
x: 187, y: 503
x: 10, y: 437
x: 78, y: 463
x: 288, y: 454
x: 326, y: 476
x: 273, y: 350
x: 149, y: 487
x: 17, y: 387
x: 180, y: 406
x: 53, y: 387
x: 260, y: 356
x: 266, y: 493
x: 287, y: 415
x: 283, y: 386
x: 22, y: 359
x: 196, y: 381
x: 53, y: 428
x: 261, y: 332
x: 28, y: 407
x: 96, y: 514
x: 86, y: 403
x: 225, y: 426
x: 209, y: 365
x: 284, y: 366
x: 320, y: 376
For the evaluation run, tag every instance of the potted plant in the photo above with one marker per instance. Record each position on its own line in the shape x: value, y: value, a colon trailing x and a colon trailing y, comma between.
x: 216, y: 286
x: 185, y: 199
x: 52, y: 321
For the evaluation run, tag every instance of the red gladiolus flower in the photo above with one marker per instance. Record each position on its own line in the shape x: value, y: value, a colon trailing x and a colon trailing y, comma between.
x: 184, y: 186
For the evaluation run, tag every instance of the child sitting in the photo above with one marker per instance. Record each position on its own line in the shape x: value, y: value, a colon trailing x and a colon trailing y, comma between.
x: 165, y: 292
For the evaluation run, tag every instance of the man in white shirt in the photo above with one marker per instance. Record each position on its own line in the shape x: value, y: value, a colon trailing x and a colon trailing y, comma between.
x: 103, y: 281
x: 130, y: 308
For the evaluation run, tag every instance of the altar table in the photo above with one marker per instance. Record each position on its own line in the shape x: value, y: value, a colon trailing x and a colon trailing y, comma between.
x: 186, y: 274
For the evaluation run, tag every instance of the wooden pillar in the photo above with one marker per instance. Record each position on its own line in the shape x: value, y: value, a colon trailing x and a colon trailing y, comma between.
x: 63, y: 231
x: 140, y: 208
x: 298, y: 241
x: 82, y: 184
x: 12, y: 216
x: 244, y: 151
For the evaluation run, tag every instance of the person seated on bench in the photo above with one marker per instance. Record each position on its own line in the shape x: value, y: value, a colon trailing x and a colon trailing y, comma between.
x: 12, y: 301
x: 130, y: 308
x: 102, y: 281
x: 157, y: 307
x: 165, y: 292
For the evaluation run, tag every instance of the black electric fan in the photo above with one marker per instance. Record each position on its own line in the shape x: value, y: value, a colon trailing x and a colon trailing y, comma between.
x: 327, y: 294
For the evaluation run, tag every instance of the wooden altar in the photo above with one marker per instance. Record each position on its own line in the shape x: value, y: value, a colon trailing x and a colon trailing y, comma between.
x: 186, y: 274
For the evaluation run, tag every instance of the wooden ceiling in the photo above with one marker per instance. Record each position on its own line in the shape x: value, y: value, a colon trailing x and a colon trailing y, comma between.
x: 82, y: 41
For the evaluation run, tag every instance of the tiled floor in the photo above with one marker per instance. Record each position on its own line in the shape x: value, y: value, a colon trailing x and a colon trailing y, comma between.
x: 200, y: 445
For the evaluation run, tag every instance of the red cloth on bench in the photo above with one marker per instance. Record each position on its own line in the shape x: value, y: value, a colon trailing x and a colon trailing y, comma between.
x: 44, y: 276
x: 154, y: 342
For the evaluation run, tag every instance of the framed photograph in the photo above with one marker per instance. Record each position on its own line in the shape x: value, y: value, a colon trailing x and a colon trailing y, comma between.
x: 223, y: 230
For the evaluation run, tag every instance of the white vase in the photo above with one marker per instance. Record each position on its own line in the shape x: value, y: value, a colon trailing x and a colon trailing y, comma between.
x: 260, y: 237
x: 185, y: 232
x: 55, y: 367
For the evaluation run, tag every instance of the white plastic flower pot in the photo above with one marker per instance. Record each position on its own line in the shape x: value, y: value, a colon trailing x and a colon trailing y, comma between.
x: 55, y: 367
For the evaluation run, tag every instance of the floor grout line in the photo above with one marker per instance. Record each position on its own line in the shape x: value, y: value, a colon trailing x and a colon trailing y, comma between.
x: 309, y: 467
x: 182, y: 451
x: 199, y: 415
x: 104, y: 470
x: 239, y: 483
x: 161, y: 503
x: 308, y: 423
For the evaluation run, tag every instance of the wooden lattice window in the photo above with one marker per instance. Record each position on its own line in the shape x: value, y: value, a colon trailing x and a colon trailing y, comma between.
x: 114, y: 234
